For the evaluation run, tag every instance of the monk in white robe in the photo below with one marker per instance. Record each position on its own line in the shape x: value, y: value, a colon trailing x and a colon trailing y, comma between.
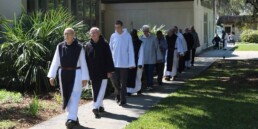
x: 69, y: 61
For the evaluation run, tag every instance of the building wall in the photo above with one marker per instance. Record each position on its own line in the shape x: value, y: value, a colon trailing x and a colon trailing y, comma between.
x: 10, y: 7
x: 199, y: 12
x: 134, y: 15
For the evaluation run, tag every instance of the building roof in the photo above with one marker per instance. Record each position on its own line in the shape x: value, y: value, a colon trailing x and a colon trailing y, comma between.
x: 139, y: 1
x: 234, y: 19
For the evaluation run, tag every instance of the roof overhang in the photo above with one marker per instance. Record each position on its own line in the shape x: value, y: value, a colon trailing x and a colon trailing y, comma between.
x: 139, y: 1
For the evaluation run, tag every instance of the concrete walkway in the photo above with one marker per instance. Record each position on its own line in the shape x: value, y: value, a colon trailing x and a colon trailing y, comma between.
x: 117, y: 117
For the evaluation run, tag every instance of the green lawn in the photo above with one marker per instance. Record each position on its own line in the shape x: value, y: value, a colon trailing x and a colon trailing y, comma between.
x: 246, y: 47
x: 219, y: 98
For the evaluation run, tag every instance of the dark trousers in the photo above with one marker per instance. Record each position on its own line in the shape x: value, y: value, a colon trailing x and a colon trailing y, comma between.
x: 160, y: 70
x: 149, y: 69
x: 181, y: 64
x: 119, y: 82
x: 193, y: 55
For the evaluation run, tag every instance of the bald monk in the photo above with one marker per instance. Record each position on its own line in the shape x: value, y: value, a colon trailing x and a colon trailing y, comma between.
x: 69, y: 61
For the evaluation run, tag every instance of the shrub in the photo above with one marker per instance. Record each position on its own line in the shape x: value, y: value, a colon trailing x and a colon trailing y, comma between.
x: 10, y: 97
x: 30, y: 45
x: 250, y: 36
x: 34, y: 106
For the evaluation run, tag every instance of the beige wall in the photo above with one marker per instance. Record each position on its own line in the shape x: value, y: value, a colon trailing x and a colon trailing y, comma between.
x: 134, y: 15
x: 199, y: 12
x: 10, y: 7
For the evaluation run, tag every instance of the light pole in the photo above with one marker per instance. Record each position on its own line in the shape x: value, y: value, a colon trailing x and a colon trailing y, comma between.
x: 254, y: 3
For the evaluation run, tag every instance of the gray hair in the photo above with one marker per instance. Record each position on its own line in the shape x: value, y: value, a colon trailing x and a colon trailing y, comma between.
x: 145, y: 27
x: 70, y: 29
x: 95, y: 28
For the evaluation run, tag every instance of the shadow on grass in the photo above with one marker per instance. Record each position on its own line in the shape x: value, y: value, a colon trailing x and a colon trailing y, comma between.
x: 218, y: 99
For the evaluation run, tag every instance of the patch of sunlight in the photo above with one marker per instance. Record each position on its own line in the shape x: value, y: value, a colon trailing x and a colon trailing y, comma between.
x: 200, y: 79
x: 183, y: 95
x: 192, y: 111
x: 203, y: 91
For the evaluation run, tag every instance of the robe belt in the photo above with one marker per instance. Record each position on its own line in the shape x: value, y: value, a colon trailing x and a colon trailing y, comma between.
x: 69, y: 68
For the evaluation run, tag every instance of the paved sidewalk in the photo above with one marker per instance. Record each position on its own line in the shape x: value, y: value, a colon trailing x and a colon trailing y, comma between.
x: 117, y: 117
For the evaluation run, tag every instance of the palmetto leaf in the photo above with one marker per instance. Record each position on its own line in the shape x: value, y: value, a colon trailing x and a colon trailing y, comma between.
x: 31, y: 41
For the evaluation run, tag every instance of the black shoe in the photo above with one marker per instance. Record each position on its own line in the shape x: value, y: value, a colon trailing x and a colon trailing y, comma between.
x: 122, y: 103
x: 129, y: 94
x: 101, y: 109
x: 96, y: 113
x: 70, y: 124
x: 168, y: 78
x: 117, y: 98
x: 139, y: 92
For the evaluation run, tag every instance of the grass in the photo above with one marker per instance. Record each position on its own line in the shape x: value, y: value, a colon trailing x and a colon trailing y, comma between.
x: 219, y: 98
x: 10, y: 97
x: 7, y: 124
x: 246, y: 47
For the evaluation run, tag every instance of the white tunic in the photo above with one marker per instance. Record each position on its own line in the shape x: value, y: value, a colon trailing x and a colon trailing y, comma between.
x: 122, y: 50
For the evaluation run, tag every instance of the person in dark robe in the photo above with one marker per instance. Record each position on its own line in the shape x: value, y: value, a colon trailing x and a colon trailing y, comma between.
x: 181, y: 61
x: 69, y: 61
x: 176, y: 49
x: 189, y: 41
x: 134, y: 83
x: 195, y: 45
x: 171, y: 38
x: 163, y: 49
x: 216, y: 40
x: 101, y: 67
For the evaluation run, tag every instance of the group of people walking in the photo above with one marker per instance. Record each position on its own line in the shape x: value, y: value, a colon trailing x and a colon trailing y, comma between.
x: 125, y: 59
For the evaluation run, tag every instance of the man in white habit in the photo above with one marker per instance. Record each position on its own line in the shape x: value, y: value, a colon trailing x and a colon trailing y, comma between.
x: 69, y: 61
x: 100, y: 64
x: 178, y: 51
x: 122, y: 50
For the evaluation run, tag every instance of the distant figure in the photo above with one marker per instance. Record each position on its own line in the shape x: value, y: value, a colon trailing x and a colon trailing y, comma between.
x: 225, y: 39
x: 182, y: 42
x: 152, y: 54
x: 98, y: 54
x: 134, y: 83
x: 232, y: 38
x: 216, y: 40
x: 122, y: 50
x: 70, y: 64
x: 190, y: 41
x: 163, y: 49
x: 196, y: 43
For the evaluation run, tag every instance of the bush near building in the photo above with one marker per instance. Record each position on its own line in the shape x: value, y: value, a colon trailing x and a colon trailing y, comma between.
x: 250, y: 36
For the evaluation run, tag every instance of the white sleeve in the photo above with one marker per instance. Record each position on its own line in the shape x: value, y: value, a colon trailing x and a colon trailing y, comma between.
x: 84, y: 67
x: 141, y: 56
x: 131, y: 52
x: 54, y: 65
x: 111, y: 43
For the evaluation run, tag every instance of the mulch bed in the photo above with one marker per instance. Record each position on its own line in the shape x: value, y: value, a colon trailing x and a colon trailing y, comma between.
x: 18, y: 112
